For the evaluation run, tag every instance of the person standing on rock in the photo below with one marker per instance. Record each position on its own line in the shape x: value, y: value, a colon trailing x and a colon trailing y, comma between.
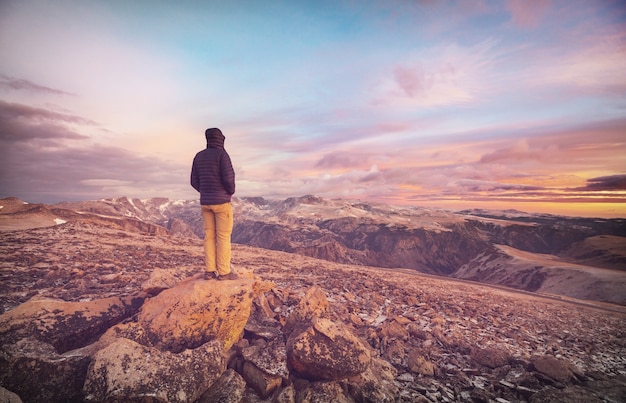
x: 212, y: 175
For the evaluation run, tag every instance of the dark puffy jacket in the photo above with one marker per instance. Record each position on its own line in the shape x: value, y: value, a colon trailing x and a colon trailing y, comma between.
x: 212, y: 175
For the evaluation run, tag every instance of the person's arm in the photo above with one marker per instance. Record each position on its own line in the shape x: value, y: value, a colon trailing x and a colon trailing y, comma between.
x: 195, y: 180
x: 228, y: 174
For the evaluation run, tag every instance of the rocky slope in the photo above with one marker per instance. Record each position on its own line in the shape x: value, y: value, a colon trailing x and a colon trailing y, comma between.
x: 83, y: 320
x: 577, y: 257
x: 539, y: 253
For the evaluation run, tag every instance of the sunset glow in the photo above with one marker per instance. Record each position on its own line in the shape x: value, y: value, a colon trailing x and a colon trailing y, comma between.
x: 450, y: 104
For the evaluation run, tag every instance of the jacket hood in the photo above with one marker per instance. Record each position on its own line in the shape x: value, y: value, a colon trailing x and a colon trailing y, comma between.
x: 214, y: 138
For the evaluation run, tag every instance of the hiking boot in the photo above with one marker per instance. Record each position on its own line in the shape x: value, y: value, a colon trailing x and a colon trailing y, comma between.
x: 230, y: 276
x: 210, y: 275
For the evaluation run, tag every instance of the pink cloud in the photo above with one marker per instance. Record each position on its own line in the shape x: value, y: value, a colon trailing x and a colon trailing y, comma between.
x: 443, y: 75
x: 19, y: 84
x: 527, y: 13
x: 539, y: 165
x: 597, y: 68
x: 343, y: 160
x: 518, y: 151
x: 21, y: 123
x: 412, y: 80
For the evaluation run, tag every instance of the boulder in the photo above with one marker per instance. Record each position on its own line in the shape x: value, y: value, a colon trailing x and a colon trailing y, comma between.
x: 555, y: 368
x: 229, y: 388
x: 285, y: 395
x: 418, y: 364
x: 196, y: 311
x: 323, y: 392
x: 262, y: 382
x: 314, y: 304
x: 161, y: 279
x: 65, y: 325
x: 128, y: 330
x: 128, y: 371
x: 262, y: 358
x: 262, y: 306
x: 265, y: 328
x: 376, y: 384
x: 326, y: 351
x: 490, y: 357
x: 394, y: 329
x: 270, y: 357
x: 6, y: 396
x: 37, y: 373
x: 395, y: 352
x: 264, y: 365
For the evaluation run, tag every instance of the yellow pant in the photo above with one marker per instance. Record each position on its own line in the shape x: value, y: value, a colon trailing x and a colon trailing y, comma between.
x: 218, y: 227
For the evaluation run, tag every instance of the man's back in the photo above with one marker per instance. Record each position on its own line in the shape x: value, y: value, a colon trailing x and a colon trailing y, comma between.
x: 212, y: 174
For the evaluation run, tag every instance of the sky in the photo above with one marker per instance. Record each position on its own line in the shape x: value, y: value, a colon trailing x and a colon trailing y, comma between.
x: 503, y: 104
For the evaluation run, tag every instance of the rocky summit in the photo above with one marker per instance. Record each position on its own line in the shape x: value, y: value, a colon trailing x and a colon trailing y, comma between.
x: 94, y: 310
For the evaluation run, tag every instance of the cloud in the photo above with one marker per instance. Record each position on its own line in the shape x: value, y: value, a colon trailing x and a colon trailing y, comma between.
x: 592, y: 69
x: 604, y: 183
x: 527, y: 13
x: 11, y: 111
x: 589, y: 61
x: 20, y: 122
x: 527, y: 165
x: 92, y: 171
x: 481, y: 186
x: 343, y: 160
x: 412, y: 80
x: 44, y: 160
x: 19, y: 84
x: 442, y: 75
x: 518, y: 151
x: 536, y: 161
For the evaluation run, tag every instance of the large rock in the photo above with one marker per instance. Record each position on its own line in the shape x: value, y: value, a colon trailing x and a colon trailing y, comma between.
x: 555, y: 368
x: 314, y: 304
x: 326, y: 351
x: 161, y: 279
x: 270, y: 357
x: 323, y: 392
x: 490, y: 357
x: 37, y: 373
x: 196, y: 311
x: 229, y: 388
x: 262, y: 382
x: 6, y: 396
x: 393, y: 330
x: 264, y: 365
x: 418, y: 364
x: 128, y: 371
x: 285, y: 395
x: 128, y: 330
x: 65, y: 325
x: 376, y: 384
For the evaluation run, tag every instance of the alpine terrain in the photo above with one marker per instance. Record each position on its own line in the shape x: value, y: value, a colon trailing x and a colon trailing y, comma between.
x: 337, y: 301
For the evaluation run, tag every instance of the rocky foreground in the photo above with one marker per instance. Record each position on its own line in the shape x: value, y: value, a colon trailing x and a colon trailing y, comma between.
x: 99, y: 313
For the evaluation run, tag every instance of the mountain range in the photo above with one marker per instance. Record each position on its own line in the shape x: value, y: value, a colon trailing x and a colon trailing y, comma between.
x: 583, y: 258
